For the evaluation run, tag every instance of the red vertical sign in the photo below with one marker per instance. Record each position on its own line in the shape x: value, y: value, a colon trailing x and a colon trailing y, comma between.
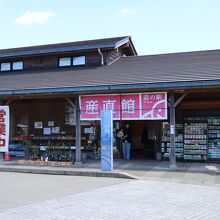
x: 4, y: 128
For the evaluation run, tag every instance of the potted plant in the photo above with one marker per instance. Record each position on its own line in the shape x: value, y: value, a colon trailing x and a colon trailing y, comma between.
x: 44, y: 156
x: 35, y: 153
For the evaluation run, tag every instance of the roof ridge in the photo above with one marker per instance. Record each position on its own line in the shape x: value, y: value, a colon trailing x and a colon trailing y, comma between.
x: 64, y: 43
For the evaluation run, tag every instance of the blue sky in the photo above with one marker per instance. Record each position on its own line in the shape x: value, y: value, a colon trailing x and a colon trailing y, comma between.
x: 156, y: 26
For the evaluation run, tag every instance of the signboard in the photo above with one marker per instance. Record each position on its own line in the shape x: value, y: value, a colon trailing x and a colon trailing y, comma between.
x: 70, y: 115
x: 4, y: 128
x: 134, y: 106
x: 106, y: 140
x: 38, y: 124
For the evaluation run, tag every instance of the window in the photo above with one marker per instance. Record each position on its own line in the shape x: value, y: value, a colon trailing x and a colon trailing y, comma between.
x: 77, y: 61
x: 17, y: 65
x: 8, y: 66
x: 65, y: 61
x: 72, y: 61
x: 21, y: 121
x: 5, y: 66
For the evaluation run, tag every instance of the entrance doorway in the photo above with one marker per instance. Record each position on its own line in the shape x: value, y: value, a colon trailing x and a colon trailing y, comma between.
x: 145, y: 139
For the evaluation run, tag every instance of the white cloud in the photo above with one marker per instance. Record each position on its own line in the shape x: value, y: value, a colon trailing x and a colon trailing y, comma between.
x: 31, y: 17
x: 126, y: 12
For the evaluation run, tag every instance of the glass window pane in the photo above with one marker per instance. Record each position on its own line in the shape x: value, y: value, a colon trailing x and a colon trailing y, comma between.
x: 79, y: 60
x: 65, y: 61
x: 17, y: 65
x: 5, y: 66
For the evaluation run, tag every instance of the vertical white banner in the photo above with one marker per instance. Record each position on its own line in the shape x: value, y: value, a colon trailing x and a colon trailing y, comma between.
x: 106, y: 140
x: 4, y: 128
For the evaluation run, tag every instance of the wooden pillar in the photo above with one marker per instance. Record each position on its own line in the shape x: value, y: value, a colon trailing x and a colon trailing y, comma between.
x: 172, y: 132
x: 78, y: 160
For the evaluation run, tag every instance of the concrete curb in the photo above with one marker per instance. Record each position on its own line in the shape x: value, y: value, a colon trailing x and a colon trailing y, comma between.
x: 211, y: 172
x: 49, y: 171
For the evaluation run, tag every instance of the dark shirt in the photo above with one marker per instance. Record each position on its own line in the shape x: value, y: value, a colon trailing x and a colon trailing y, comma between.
x: 128, y: 132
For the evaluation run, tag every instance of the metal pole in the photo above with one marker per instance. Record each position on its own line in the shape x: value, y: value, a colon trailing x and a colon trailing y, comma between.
x: 120, y: 124
x: 172, y: 132
x: 78, y: 160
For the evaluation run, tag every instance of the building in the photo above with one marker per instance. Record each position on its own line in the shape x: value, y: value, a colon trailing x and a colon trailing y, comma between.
x: 42, y: 85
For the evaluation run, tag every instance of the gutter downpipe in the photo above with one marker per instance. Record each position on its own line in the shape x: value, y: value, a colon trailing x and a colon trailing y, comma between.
x: 102, y: 57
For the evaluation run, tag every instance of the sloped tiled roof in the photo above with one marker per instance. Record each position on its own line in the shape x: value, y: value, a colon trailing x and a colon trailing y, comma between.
x: 154, y: 69
x: 105, y: 43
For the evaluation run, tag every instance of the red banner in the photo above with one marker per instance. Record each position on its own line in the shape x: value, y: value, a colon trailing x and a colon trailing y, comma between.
x: 4, y: 128
x: 136, y: 106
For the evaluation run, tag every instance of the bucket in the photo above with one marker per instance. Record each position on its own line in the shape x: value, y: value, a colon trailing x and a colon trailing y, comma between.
x: 6, y: 156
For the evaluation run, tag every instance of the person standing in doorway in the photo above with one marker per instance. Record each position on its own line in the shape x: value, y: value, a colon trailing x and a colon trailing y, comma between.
x: 126, y: 142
